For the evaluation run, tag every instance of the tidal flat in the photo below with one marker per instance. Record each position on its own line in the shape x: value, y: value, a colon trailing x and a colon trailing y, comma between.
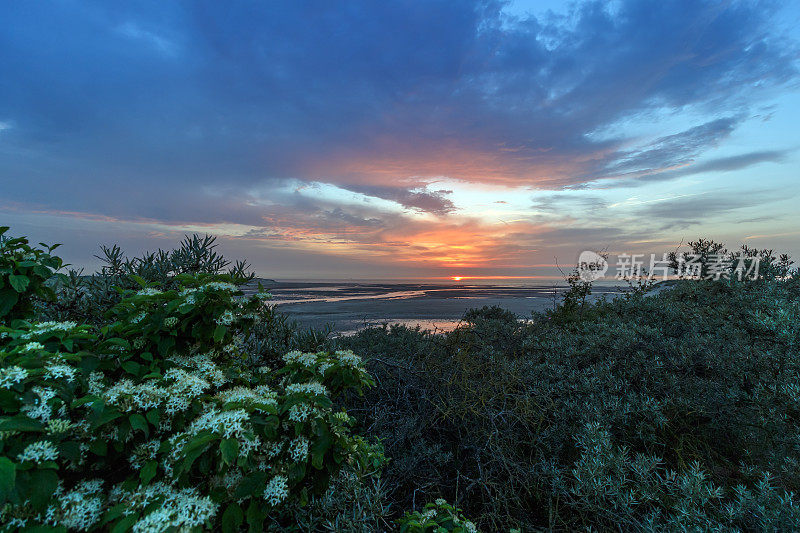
x: 348, y: 306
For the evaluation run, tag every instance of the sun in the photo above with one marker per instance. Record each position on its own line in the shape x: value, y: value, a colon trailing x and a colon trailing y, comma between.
x: 456, y: 278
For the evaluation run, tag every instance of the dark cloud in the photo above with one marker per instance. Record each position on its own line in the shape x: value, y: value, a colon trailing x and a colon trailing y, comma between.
x: 684, y: 212
x: 198, y: 93
x: 719, y: 164
x: 672, y: 150
x: 431, y: 202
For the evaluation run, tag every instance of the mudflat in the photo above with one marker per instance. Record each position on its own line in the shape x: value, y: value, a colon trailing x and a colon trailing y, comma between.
x: 350, y: 306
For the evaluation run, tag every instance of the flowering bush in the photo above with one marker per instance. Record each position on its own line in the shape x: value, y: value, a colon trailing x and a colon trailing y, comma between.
x: 152, y: 423
x: 24, y: 271
x: 438, y: 517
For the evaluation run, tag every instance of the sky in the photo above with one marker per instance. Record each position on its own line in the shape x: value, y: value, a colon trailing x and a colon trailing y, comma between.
x: 401, y: 139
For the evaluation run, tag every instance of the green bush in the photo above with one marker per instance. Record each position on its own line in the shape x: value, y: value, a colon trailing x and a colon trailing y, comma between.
x: 672, y: 411
x: 437, y: 517
x: 155, y: 395
x: 153, y: 422
x: 24, y: 272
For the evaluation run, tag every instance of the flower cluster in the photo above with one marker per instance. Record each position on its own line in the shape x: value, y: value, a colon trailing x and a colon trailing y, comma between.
x: 152, y: 422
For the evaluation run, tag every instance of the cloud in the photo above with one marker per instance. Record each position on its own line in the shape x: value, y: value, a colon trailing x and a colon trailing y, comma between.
x: 686, y: 211
x: 176, y: 112
x: 719, y: 164
x: 431, y: 202
x: 672, y: 150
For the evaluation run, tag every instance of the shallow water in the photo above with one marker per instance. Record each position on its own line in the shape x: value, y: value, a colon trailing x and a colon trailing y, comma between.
x: 352, y: 305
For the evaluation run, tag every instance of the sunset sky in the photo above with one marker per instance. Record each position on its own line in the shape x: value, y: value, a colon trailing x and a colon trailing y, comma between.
x: 425, y: 138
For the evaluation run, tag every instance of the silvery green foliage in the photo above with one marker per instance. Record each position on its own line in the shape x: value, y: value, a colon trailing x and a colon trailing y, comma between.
x: 664, y: 412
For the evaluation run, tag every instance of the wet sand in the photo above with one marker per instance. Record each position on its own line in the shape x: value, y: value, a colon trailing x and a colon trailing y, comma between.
x: 350, y: 306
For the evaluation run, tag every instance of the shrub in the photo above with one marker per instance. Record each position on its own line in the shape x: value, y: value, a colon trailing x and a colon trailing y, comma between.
x: 24, y: 272
x: 660, y: 412
x: 152, y: 422
x: 438, y: 517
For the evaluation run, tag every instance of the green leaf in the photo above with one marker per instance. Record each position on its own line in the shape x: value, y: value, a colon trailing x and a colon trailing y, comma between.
x: 46, y: 529
x: 20, y: 283
x: 138, y: 422
x: 132, y: 367
x: 41, y: 486
x: 20, y: 423
x: 99, y: 447
x: 152, y: 416
x: 148, y: 471
x: 251, y: 485
x: 8, y: 299
x: 8, y: 477
x: 42, y: 271
x: 140, y: 280
x: 232, y: 518
x: 320, y: 446
x: 219, y: 332
x: 126, y: 523
x: 108, y: 414
x: 256, y: 513
x: 229, y: 449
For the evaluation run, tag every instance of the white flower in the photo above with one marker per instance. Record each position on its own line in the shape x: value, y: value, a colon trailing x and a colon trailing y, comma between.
x: 258, y: 395
x: 225, y: 319
x: 219, y: 286
x: 40, y: 408
x: 82, y: 506
x: 312, y: 387
x: 39, y: 452
x: 207, y: 368
x: 273, y: 449
x: 180, y: 510
x: 149, y: 292
x: 128, y: 396
x: 60, y: 371
x: 32, y: 346
x: 12, y: 375
x: 226, y: 423
x: 298, y: 449
x: 277, y: 490
x: 441, y: 501
x: 306, y: 359
x: 348, y: 358
x: 58, y: 426
x: 47, y: 327
x: 170, y: 321
x: 470, y: 527
x: 299, y: 412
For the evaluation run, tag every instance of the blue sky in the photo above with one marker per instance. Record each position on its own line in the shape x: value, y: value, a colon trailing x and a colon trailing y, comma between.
x: 401, y: 139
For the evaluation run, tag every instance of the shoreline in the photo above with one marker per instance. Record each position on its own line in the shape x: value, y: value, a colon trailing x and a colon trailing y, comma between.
x: 350, y: 307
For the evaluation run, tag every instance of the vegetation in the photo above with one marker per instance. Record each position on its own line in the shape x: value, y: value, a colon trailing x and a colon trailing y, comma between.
x: 144, y: 398
x: 154, y: 420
